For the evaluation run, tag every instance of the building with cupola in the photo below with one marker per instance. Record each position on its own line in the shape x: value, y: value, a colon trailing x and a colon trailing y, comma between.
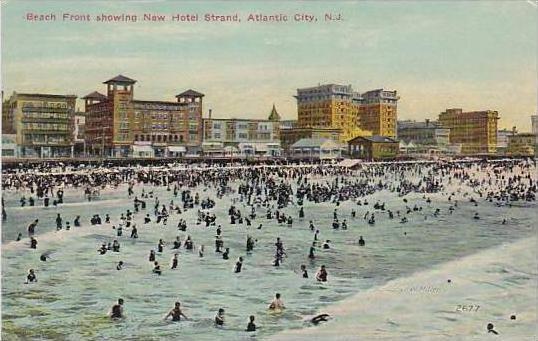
x: 118, y: 125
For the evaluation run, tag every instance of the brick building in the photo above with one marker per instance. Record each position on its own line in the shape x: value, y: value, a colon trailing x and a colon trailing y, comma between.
x: 331, y: 106
x: 378, y: 112
x: 476, y: 131
x: 119, y: 125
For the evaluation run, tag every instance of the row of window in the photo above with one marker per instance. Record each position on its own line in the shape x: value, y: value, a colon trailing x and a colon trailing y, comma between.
x: 54, y: 115
x: 159, y: 138
x: 155, y: 106
x: 45, y: 126
x: 44, y: 104
x: 40, y: 138
x: 217, y: 126
x: 244, y: 136
x: 190, y: 100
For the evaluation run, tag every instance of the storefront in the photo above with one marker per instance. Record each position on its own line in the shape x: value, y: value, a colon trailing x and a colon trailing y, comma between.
x: 145, y: 151
x: 176, y: 151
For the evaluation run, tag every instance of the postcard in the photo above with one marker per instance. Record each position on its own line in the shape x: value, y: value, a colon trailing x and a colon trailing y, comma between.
x: 269, y: 170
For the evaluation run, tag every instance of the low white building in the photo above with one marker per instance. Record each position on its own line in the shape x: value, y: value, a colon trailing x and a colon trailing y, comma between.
x: 9, y: 146
x: 142, y: 149
x: 316, y: 149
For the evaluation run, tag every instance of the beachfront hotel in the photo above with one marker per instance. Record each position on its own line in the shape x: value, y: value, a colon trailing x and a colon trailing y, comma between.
x: 476, y: 131
x: 378, y: 112
x: 339, y: 107
x: 118, y: 125
x: 41, y: 124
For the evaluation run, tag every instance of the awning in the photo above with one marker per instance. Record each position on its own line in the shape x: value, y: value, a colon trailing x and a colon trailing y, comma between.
x: 177, y: 149
x: 142, y: 149
x: 212, y: 144
x: 230, y: 149
x: 262, y: 148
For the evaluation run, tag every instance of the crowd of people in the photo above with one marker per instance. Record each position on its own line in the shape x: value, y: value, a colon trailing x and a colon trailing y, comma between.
x: 257, y: 196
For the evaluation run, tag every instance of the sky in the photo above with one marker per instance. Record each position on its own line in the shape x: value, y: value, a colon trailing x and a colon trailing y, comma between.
x: 437, y: 54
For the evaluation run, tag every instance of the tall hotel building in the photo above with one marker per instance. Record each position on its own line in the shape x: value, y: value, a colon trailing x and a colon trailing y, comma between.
x: 334, y: 106
x: 118, y: 125
x: 42, y: 124
x: 476, y: 131
x: 378, y: 112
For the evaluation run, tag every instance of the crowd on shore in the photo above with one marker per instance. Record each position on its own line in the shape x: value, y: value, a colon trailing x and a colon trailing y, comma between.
x: 263, y: 194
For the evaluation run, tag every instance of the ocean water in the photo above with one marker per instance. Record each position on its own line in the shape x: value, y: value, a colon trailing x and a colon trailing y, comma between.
x: 77, y: 286
x: 490, y: 286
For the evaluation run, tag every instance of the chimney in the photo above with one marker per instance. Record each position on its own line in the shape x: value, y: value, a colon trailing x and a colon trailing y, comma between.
x: 210, y: 113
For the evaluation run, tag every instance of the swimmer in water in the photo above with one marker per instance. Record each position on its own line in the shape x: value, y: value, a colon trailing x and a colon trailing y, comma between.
x: 116, y: 312
x: 491, y: 330
x: 157, y: 268
x: 175, y: 261
x: 31, y: 227
x: 102, y: 250
x: 31, y: 277
x: 33, y: 243
x: 311, y: 253
x: 320, y: 318
x: 176, y: 313
x: 119, y: 266
x: 251, y: 327
x: 304, y: 272
x: 361, y: 241
x: 321, y: 275
x: 134, y: 232
x: 238, y: 265
x: 219, y: 318
x: 177, y: 243
x: 277, y: 303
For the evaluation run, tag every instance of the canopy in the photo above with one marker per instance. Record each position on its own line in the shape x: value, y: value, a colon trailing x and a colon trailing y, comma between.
x: 142, y: 149
x: 177, y: 149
